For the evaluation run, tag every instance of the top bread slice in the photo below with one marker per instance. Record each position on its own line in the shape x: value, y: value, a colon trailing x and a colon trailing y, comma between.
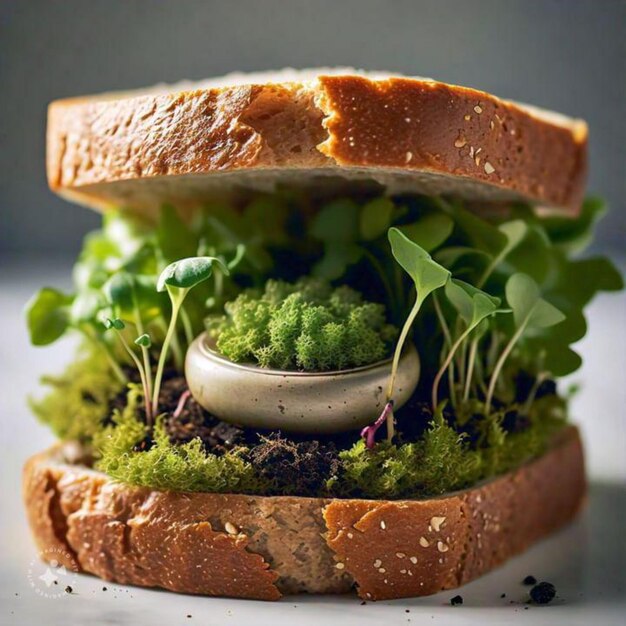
x: 190, y: 143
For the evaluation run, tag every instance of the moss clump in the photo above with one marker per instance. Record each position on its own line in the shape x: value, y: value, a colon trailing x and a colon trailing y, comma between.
x: 80, y: 399
x: 167, y: 466
x: 307, y: 325
x: 438, y: 463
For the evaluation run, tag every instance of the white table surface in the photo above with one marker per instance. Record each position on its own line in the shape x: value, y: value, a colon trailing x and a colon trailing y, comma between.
x: 586, y: 561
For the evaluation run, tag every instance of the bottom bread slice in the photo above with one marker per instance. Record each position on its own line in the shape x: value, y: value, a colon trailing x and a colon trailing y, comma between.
x: 265, y: 546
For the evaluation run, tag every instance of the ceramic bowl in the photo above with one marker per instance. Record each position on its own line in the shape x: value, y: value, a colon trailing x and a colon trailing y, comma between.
x: 303, y: 402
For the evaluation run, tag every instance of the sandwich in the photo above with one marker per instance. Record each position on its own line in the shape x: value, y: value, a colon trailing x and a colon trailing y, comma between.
x: 321, y: 332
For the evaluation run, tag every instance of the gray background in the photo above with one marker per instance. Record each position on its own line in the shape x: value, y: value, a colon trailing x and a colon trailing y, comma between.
x: 565, y: 55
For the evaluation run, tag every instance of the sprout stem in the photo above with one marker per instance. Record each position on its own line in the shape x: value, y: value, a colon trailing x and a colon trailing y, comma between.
x: 142, y: 375
x: 471, y: 360
x: 500, y: 363
x: 445, y: 365
x: 369, y: 432
x: 113, y: 364
x: 146, y: 356
x: 396, y: 360
x: 181, y: 403
x: 184, y: 317
x: 177, y: 300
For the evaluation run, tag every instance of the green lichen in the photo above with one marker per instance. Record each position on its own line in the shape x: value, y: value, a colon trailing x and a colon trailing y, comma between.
x: 307, y: 325
x: 79, y: 400
x: 167, y: 466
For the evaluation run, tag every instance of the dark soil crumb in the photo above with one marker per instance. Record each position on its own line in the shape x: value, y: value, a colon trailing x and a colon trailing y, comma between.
x: 104, y: 588
x: 543, y: 593
x: 456, y: 600
x: 407, y: 611
x: 524, y: 383
x: 188, y: 616
x: 294, y: 467
x: 503, y: 595
x: 68, y: 589
x: 529, y: 580
x: 363, y: 603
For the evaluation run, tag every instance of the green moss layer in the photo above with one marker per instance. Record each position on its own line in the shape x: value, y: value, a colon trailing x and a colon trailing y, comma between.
x: 79, y: 400
x: 307, y: 325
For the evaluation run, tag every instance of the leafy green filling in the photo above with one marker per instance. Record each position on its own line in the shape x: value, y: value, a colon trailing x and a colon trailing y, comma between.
x: 482, y: 299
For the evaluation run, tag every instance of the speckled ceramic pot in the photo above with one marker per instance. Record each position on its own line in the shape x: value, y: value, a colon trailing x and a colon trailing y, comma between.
x: 305, y: 402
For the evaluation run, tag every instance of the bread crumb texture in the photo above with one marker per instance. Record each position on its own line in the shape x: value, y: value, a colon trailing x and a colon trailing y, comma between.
x: 262, y: 547
x: 406, y: 134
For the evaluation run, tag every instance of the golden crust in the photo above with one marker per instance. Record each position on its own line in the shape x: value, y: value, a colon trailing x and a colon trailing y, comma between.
x: 260, y: 547
x: 407, y: 134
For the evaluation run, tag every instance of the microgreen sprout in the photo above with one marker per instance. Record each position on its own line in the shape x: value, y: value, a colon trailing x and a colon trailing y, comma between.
x: 529, y: 310
x: 473, y: 306
x: 118, y: 326
x: 427, y: 276
x: 178, y: 279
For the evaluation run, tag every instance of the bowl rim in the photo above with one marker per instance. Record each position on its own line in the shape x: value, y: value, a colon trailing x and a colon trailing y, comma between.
x: 205, y: 343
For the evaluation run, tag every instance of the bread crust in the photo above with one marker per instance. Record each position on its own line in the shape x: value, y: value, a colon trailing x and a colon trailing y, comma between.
x: 265, y: 546
x: 406, y: 134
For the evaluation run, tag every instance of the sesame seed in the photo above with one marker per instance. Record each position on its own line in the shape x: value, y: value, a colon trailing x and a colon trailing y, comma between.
x: 413, y: 560
x: 424, y: 542
x: 230, y: 528
x: 382, y: 570
x: 459, y: 143
x: 491, y: 125
x: 471, y: 152
x: 403, y: 571
x: 409, y: 156
x: 489, y: 169
x: 442, y: 547
x: 478, y: 109
x: 467, y: 118
x: 407, y: 120
x: 350, y: 535
x: 382, y: 524
x: 400, y: 555
x: 339, y: 565
x: 377, y: 563
x: 437, y: 523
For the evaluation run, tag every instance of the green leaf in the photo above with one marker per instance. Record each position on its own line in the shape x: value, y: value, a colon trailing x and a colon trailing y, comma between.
x: 481, y: 234
x: 336, y: 259
x: 375, y: 218
x: 186, y: 273
x: 523, y: 295
x: 430, y: 230
x: 545, y: 315
x: 174, y: 238
x: 417, y: 263
x: 144, y: 341
x: 472, y: 304
x: 514, y: 231
x: 119, y: 290
x: 47, y: 316
x: 451, y: 255
x: 86, y: 306
x: 337, y: 222
x: 115, y: 323
x: 573, y: 235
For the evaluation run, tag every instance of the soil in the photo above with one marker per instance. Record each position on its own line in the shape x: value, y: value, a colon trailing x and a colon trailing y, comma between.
x: 301, y: 463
